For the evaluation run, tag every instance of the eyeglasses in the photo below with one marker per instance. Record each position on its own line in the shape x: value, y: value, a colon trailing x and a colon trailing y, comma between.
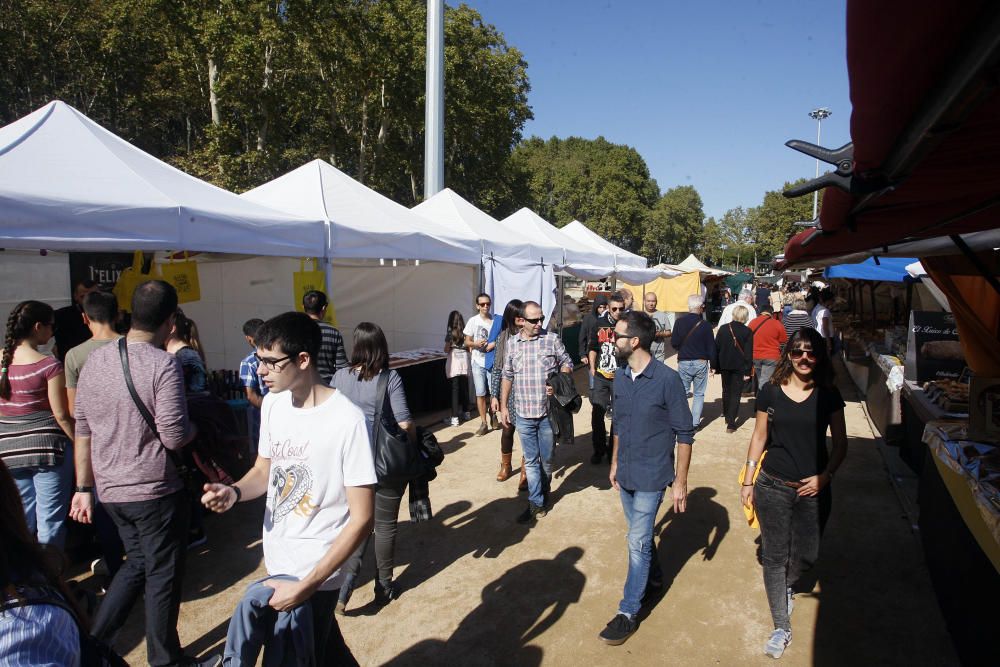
x: 798, y: 353
x: 484, y: 305
x: 535, y: 320
x: 615, y: 310
x: 271, y: 364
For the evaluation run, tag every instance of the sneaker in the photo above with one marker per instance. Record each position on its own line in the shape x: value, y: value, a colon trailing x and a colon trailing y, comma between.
x: 466, y: 416
x: 779, y: 641
x: 791, y: 602
x: 341, y: 608
x: 533, y: 513
x: 618, y: 630
x: 211, y: 661
x: 196, y: 538
x: 385, y: 593
x: 596, y: 458
x: 454, y: 421
x: 730, y: 429
x: 483, y: 429
x: 494, y: 423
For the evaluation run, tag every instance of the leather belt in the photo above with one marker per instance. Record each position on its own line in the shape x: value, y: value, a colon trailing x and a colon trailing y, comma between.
x: 783, y: 482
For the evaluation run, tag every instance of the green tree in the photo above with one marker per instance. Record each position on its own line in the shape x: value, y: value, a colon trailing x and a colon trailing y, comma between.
x: 674, y: 225
x: 736, y: 237
x: 773, y: 221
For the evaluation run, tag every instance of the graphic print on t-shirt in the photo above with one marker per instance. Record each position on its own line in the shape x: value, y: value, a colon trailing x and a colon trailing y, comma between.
x: 606, y: 362
x: 291, y: 491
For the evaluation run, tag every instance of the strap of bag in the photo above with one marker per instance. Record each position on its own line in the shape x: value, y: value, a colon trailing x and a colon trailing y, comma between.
x: 738, y: 346
x: 380, y: 394
x: 689, y: 333
x: 761, y: 324
x: 143, y: 410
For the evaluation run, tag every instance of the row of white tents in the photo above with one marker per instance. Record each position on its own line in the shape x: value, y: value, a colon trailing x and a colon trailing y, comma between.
x: 67, y: 184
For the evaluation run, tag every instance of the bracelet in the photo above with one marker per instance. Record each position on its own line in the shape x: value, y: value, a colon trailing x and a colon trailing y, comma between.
x: 83, y: 489
x: 751, y: 484
x: 236, y: 489
x: 751, y: 464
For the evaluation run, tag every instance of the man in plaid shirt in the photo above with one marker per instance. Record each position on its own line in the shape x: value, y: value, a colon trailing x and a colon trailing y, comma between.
x: 532, y: 356
x: 254, y: 388
x: 332, y: 356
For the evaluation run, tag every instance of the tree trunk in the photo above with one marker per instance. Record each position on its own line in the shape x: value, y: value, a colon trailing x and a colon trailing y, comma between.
x: 265, y: 104
x: 213, y: 98
x: 383, y: 131
x: 413, y: 186
x: 362, y: 148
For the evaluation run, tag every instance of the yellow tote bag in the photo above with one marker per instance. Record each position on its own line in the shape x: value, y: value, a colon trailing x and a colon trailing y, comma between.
x: 183, y: 275
x: 130, y: 278
x: 751, y: 512
x: 305, y: 281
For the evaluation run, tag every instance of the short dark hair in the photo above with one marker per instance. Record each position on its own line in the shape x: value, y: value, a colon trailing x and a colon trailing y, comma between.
x: 481, y: 295
x: 640, y: 325
x: 101, y: 307
x: 370, y: 354
x: 617, y: 296
x: 153, y: 302
x: 86, y: 283
x: 314, y: 301
x: 250, y: 327
x: 294, y: 332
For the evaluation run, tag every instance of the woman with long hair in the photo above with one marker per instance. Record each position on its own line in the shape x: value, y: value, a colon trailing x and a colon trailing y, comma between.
x: 359, y: 382
x: 457, y: 366
x: 514, y: 310
x: 36, y: 428
x: 791, y: 495
x: 32, y: 631
x: 185, y: 344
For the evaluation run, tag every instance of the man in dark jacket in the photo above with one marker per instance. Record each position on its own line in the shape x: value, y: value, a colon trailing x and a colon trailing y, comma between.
x: 589, y: 329
x: 692, y: 338
x: 602, y: 373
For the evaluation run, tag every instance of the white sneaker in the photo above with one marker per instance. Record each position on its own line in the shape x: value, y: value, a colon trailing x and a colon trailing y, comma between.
x: 454, y: 421
x: 776, y: 644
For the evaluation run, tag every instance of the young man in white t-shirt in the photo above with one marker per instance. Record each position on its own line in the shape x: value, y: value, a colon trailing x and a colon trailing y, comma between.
x: 315, y: 464
x: 822, y: 317
x: 477, y: 332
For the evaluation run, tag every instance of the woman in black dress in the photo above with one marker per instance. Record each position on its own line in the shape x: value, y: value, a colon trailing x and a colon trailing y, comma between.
x: 791, y: 495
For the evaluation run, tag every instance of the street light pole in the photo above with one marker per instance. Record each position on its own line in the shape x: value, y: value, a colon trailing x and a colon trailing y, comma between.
x: 819, y: 115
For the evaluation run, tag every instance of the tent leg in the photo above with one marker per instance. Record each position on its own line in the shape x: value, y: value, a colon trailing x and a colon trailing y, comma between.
x: 974, y: 259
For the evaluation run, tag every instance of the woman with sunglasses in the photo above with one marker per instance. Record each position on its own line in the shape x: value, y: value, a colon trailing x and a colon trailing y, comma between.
x: 791, y: 495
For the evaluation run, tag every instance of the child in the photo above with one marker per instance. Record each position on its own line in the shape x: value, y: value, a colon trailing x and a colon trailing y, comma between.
x: 457, y: 365
x: 255, y: 389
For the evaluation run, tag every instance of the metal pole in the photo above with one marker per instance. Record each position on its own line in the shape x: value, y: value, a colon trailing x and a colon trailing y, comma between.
x: 434, y: 108
x: 819, y: 114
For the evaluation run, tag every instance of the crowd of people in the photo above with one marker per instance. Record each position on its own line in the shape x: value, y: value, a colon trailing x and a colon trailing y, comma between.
x: 101, y: 433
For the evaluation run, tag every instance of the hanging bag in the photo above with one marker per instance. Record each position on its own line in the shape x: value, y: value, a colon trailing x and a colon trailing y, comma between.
x: 183, y: 275
x: 306, y: 281
x: 397, y: 460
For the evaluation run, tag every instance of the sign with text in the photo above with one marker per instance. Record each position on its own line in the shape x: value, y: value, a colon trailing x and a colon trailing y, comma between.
x: 101, y: 267
x: 933, y: 351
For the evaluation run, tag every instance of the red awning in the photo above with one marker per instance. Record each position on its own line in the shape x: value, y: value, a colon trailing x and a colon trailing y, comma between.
x: 901, y: 57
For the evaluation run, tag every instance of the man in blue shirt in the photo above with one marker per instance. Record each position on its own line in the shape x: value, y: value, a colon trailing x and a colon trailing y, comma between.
x: 651, y: 416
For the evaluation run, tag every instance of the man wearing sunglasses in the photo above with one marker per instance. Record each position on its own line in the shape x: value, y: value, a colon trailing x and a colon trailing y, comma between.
x: 477, y: 333
x: 602, y: 370
x: 532, y: 356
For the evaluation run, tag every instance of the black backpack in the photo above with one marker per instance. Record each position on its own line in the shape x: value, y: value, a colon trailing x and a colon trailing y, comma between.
x: 93, y: 651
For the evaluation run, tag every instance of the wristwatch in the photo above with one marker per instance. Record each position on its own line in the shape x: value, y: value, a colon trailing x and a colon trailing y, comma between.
x: 83, y: 489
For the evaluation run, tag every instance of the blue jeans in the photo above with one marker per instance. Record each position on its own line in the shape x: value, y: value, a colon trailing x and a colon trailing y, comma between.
x: 764, y: 368
x: 640, y: 509
x: 536, y: 443
x: 45, y: 494
x: 695, y: 371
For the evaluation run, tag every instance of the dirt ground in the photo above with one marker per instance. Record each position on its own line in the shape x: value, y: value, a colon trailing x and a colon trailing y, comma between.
x: 480, y: 589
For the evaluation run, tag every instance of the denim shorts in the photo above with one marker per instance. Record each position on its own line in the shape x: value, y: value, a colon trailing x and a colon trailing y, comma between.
x: 480, y: 376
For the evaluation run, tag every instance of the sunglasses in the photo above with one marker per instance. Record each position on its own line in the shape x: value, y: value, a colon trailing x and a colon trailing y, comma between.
x: 615, y: 310
x: 484, y: 305
x: 271, y: 364
x: 798, y: 353
x: 535, y: 320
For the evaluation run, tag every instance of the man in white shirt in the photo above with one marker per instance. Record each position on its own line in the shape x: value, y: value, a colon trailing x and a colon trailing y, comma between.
x: 477, y: 332
x: 822, y: 318
x: 745, y: 300
x: 315, y: 464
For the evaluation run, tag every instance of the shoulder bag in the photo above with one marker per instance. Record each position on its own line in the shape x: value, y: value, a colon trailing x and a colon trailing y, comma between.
x: 191, y: 482
x: 397, y: 460
x: 688, y: 335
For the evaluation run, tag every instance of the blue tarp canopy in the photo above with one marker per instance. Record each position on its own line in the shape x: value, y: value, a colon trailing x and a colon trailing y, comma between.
x: 888, y: 269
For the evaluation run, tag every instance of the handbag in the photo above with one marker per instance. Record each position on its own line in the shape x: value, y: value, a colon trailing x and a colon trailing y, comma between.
x: 397, y: 460
x: 751, y: 512
x: 191, y: 483
x: 748, y: 386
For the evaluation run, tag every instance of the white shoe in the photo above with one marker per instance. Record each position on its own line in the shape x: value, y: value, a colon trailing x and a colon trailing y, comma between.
x: 454, y: 421
x: 777, y: 643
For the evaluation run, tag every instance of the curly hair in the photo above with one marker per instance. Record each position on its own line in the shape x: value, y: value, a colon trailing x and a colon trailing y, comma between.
x: 822, y: 374
x: 20, y: 322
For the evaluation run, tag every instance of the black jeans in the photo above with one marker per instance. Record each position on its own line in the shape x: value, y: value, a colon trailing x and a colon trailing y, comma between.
x: 732, y: 389
x: 459, y: 395
x: 790, y: 533
x: 600, y: 400
x: 387, y: 502
x: 154, y: 533
x: 331, y: 649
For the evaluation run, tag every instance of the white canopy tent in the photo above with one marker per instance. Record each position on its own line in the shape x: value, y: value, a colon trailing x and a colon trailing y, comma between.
x: 546, y: 236
x: 692, y: 263
x: 579, y: 232
x: 66, y: 183
x: 450, y: 210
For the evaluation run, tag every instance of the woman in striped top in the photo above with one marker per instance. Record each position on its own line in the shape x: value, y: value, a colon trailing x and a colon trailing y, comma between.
x: 36, y: 428
x: 798, y: 318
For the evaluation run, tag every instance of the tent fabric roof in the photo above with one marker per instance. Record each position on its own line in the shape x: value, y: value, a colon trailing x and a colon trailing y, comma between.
x: 451, y: 211
x: 362, y: 223
x: 888, y: 269
x: 566, y: 249
x: 692, y: 263
x: 66, y: 183
x: 578, y: 231
x: 924, y: 114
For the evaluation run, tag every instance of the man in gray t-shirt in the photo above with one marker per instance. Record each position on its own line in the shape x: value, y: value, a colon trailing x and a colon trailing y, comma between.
x: 663, y: 324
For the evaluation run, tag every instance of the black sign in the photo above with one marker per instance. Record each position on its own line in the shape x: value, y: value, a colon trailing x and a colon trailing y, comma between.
x: 101, y: 267
x: 932, y: 348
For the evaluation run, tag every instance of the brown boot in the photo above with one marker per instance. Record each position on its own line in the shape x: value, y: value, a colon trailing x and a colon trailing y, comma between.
x: 522, y: 485
x: 505, y: 470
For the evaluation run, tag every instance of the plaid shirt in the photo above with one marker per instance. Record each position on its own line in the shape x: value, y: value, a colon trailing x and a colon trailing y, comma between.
x: 249, y: 377
x: 528, y: 364
x: 332, y: 355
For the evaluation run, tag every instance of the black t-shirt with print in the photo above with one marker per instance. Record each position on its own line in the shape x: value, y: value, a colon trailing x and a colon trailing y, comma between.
x: 797, y: 432
x: 603, y: 344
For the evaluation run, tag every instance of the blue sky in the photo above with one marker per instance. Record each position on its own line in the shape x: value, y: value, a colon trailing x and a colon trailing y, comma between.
x: 707, y: 92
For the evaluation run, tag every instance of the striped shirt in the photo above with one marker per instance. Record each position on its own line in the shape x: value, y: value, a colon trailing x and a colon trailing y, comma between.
x: 528, y: 364
x: 795, y: 320
x: 332, y: 355
x: 29, y: 387
x: 38, y: 634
